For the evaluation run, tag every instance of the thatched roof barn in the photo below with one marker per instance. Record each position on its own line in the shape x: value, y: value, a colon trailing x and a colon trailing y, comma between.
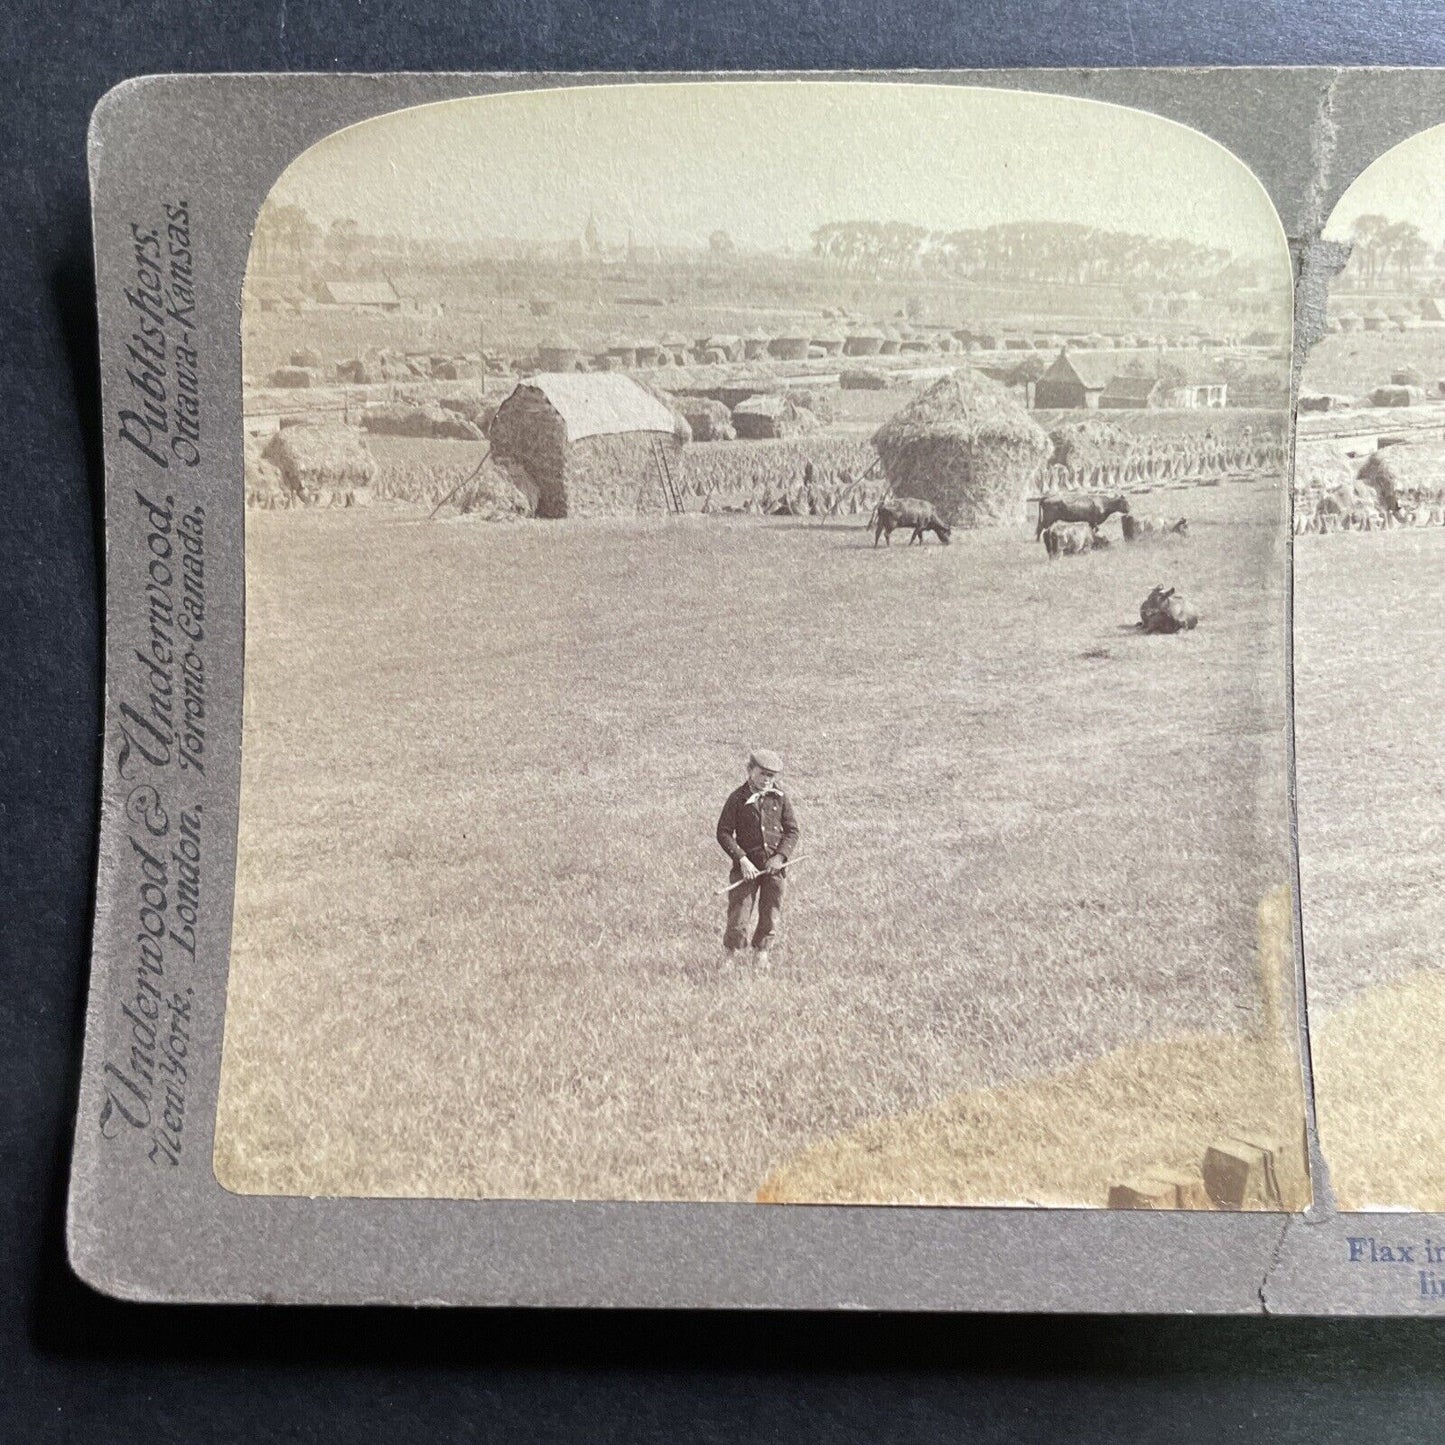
x: 966, y: 446
x: 592, y: 444
x: 762, y: 418
x: 1072, y: 381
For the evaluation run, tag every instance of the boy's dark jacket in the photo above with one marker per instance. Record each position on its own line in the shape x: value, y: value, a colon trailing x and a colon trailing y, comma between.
x: 761, y: 829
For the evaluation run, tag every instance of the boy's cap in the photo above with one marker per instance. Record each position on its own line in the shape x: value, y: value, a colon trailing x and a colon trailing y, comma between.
x: 765, y: 759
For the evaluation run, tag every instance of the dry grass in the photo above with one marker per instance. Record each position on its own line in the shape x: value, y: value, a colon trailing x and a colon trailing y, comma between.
x: 1063, y: 1139
x: 1369, y: 696
x: 1378, y: 1085
x: 731, y: 467
x: 476, y: 935
x: 422, y: 469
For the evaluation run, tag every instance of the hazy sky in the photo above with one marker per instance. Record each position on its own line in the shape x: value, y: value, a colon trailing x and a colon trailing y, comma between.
x: 768, y: 161
x: 1405, y: 184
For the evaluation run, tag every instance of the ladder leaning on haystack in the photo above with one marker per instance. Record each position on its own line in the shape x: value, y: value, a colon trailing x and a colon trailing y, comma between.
x: 664, y: 474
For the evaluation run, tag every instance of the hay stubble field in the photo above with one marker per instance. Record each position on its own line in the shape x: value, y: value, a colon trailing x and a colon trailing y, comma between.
x: 476, y: 943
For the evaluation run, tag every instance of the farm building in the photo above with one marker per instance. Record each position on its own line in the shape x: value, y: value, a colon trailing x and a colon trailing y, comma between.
x: 591, y: 444
x: 1131, y: 391
x: 377, y: 296
x: 968, y: 447
x: 761, y: 418
x: 1072, y: 382
x: 274, y: 293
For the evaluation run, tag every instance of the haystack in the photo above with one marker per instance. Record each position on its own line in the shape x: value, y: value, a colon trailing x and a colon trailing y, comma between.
x: 865, y: 342
x: 1082, y: 444
x: 558, y: 352
x: 308, y: 357
x: 397, y: 420
x: 591, y: 444
x: 1397, y: 396
x: 762, y: 418
x: 966, y: 446
x: 710, y: 420
x: 1407, y: 376
x: 498, y: 493
x: 294, y: 376
x: 816, y: 400
x: 862, y: 381
x: 317, y: 462
x: 755, y: 344
x: 1349, y: 321
x: 789, y: 348
x: 1414, y: 471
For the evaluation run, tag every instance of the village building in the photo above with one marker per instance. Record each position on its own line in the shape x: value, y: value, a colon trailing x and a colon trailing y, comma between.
x: 1073, y: 382
x: 359, y: 295
x: 586, y: 444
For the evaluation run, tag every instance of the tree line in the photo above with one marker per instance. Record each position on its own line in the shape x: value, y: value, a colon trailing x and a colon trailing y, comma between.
x: 1059, y: 252
x: 1384, y: 249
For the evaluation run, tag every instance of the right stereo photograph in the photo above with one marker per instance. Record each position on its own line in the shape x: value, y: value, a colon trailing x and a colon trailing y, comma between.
x: 1370, y: 689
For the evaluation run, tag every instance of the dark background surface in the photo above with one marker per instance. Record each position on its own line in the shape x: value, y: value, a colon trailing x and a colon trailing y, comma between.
x: 76, y: 1366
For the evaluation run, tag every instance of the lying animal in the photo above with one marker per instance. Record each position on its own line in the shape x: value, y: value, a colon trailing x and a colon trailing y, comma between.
x: 1069, y: 539
x: 1077, y: 507
x: 910, y: 512
x: 1162, y: 611
x: 1139, y: 529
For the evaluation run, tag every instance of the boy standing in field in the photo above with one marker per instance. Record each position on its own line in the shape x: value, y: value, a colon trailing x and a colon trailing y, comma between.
x: 758, y: 831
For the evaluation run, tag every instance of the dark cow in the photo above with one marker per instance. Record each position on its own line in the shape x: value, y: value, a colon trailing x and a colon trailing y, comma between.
x: 910, y: 512
x: 1077, y: 507
x: 1140, y: 529
x: 1163, y: 611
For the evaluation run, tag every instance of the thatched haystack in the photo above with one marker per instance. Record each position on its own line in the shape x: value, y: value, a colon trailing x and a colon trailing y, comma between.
x: 473, y: 406
x: 867, y: 341
x: 308, y: 357
x: 1082, y: 444
x: 321, y: 463
x: 558, y: 352
x: 1414, y: 471
x: 709, y: 420
x: 891, y: 341
x: 966, y: 446
x: 789, y: 348
x: 499, y: 493
x: 265, y: 486
x: 762, y: 418
x: 1349, y: 321
x: 399, y: 420
x: 591, y: 444
x: 863, y: 381
x: 755, y: 344
x: 1407, y: 376
x: 294, y: 376
x: 1397, y: 396
x: 816, y: 400
x: 1376, y: 320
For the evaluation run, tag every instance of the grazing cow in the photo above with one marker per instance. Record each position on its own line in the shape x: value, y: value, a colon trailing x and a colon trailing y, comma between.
x: 1077, y: 507
x: 1163, y: 611
x: 1069, y: 539
x: 1140, y: 529
x: 910, y: 512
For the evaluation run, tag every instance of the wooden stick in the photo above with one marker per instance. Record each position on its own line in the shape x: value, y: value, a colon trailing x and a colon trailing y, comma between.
x: 761, y: 872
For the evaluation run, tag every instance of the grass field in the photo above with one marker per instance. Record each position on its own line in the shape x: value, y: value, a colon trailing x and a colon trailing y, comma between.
x: 477, y: 939
x: 1354, y: 363
x: 1369, y: 697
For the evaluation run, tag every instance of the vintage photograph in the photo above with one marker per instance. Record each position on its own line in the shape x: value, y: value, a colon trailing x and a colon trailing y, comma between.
x: 765, y: 670
x: 1369, y: 690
